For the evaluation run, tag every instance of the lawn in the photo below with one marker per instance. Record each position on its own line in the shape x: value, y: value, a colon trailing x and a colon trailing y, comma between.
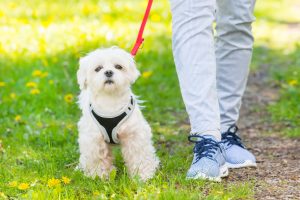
x: 40, y: 44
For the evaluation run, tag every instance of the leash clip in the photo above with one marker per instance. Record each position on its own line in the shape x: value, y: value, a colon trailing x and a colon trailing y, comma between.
x: 137, y: 45
x: 140, y: 38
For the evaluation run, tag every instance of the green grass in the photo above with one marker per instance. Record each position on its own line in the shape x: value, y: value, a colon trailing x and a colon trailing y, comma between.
x: 278, y: 48
x: 287, y: 110
x: 38, y: 131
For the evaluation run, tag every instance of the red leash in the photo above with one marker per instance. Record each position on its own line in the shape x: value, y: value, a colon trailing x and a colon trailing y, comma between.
x: 140, y: 39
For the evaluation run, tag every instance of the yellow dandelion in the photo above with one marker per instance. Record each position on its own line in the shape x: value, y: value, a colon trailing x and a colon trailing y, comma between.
x: 293, y: 82
x: 155, y: 18
x: 12, y: 95
x: 12, y: 5
x: 23, y: 20
x: 87, y: 9
x: 35, y: 91
x: 53, y: 182
x: 13, y: 184
x: 48, y: 21
x: 107, y: 18
x: 51, y: 82
x: 31, y: 84
x: 147, y: 74
x: 2, y: 84
x: 44, y: 74
x: 23, y: 186
x: 37, y: 73
x: 69, y: 98
x: 39, y: 124
x: 45, y: 62
x: 69, y: 126
x: 18, y: 118
x: 2, y: 195
x: 96, y: 193
x: 65, y: 180
x: 34, y: 13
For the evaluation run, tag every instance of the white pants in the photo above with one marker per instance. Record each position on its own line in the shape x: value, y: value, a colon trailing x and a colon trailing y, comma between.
x: 212, y: 71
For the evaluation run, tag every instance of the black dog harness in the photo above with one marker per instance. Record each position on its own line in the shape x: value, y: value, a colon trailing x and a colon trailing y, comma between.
x: 109, y: 125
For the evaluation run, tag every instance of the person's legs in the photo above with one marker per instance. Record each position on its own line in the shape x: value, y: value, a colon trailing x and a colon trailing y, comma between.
x: 234, y: 42
x: 194, y: 55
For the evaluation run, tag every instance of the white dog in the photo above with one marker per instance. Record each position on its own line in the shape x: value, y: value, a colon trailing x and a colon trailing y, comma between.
x: 110, y: 114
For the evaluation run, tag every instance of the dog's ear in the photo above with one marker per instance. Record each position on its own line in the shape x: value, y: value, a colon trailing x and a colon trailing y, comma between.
x: 82, y: 73
x: 135, y: 73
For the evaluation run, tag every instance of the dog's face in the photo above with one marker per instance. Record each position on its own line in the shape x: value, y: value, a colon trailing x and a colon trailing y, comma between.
x: 107, y: 70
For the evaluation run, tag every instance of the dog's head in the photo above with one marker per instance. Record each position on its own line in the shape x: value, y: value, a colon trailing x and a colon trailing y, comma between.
x: 107, y: 70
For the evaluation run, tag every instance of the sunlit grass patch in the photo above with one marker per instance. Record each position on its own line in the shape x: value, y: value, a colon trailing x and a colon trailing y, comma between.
x: 39, y: 27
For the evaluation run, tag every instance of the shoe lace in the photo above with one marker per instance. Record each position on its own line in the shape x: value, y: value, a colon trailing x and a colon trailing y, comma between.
x: 204, y: 147
x: 230, y: 137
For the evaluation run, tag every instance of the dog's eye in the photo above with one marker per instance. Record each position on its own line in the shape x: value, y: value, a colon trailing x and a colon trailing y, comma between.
x: 98, y: 68
x: 118, y: 67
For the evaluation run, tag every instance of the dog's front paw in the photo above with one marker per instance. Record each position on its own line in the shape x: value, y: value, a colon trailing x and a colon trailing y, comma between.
x: 97, y: 171
x: 146, y: 169
x: 101, y: 173
x: 150, y: 170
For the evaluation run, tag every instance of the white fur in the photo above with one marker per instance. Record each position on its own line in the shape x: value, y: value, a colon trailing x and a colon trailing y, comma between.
x: 96, y: 158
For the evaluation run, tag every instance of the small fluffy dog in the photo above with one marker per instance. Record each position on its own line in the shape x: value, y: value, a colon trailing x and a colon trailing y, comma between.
x: 110, y: 114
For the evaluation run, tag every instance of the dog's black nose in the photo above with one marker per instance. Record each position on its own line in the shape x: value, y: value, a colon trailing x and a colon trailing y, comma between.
x: 109, y: 73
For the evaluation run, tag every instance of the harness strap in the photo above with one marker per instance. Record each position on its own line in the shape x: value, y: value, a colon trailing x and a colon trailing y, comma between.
x: 140, y: 39
x: 109, y: 125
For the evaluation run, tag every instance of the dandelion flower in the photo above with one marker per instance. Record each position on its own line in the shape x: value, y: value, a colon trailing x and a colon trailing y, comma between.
x: 18, y: 118
x: 37, y: 73
x: 35, y: 91
x: 31, y: 84
x: 23, y: 186
x: 2, y: 84
x: 39, y: 124
x: 293, y: 82
x: 53, y: 182
x: 13, y: 184
x: 65, y: 180
x: 12, y: 95
x: 69, y: 126
x: 155, y: 18
x: 147, y: 74
x: 2, y: 195
x: 69, y: 98
x: 45, y: 62
x: 96, y: 193
x: 44, y: 74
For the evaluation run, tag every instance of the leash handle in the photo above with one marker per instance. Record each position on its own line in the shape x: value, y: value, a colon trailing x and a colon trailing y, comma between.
x: 140, y: 39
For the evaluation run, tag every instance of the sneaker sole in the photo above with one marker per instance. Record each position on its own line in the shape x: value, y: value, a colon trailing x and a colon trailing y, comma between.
x: 247, y: 163
x: 223, y: 173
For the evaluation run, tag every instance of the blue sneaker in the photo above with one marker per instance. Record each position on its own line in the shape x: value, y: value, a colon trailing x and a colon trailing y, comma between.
x: 236, y: 154
x: 208, y: 162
